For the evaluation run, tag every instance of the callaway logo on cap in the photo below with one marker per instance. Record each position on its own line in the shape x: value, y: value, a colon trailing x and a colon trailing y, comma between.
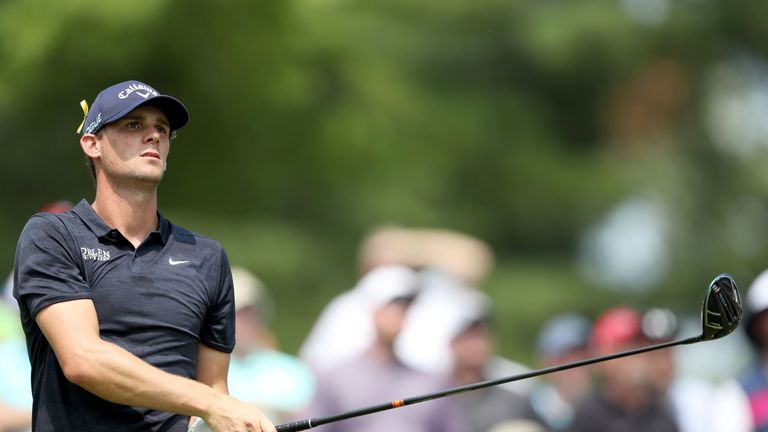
x: 118, y: 100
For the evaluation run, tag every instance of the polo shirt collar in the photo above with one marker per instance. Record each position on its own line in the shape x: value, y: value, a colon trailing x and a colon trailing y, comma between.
x: 93, y: 221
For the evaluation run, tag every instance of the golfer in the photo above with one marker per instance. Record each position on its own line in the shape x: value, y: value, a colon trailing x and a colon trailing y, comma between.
x: 129, y: 319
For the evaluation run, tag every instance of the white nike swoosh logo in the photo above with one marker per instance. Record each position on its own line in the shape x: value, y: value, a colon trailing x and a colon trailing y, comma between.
x: 171, y: 261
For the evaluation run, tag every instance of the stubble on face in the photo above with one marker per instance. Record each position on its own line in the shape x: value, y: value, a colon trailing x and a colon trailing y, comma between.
x: 123, y: 152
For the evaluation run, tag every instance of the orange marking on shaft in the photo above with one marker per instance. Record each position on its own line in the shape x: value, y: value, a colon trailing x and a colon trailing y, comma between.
x: 397, y: 403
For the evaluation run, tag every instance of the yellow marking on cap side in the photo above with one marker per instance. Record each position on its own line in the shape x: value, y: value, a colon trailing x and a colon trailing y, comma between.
x: 84, y: 106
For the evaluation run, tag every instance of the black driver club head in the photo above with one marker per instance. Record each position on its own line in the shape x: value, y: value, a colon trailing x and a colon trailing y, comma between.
x: 722, y: 311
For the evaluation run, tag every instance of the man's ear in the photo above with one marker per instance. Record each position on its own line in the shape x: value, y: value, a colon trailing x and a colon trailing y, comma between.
x: 91, y: 146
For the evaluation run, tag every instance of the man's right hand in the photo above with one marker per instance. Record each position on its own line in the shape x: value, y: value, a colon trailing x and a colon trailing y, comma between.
x: 228, y: 414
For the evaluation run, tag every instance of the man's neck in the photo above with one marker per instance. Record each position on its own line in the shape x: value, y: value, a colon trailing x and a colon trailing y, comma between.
x: 467, y: 375
x: 383, y: 352
x: 132, y: 212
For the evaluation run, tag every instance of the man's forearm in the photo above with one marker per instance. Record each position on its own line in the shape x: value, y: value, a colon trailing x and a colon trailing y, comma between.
x: 114, y: 374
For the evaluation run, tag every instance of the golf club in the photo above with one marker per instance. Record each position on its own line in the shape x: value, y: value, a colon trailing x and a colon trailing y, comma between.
x: 721, y: 314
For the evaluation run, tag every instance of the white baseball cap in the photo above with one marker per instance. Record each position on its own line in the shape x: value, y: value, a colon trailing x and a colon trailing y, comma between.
x: 250, y: 291
x: 757, y: 294
x: 756, y: 302
x: 387, y: 283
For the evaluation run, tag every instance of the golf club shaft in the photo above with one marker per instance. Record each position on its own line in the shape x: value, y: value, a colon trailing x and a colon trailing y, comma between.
x: 317, y: 421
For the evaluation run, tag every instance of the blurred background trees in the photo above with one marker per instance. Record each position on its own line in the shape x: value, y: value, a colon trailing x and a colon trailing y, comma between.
x: 608, y: 151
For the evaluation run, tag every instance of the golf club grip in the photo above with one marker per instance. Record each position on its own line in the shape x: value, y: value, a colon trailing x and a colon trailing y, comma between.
x: 294, y: 426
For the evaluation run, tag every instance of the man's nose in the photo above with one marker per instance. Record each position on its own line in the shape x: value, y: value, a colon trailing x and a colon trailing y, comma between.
x: 152, y: 137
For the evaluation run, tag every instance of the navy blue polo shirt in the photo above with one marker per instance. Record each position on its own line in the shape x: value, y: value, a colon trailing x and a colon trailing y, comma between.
x: 157, y: 301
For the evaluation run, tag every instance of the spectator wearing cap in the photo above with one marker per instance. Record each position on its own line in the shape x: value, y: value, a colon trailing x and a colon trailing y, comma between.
x: 626, y: 398
x: 376, y: 374
x: 563, y: 339
x: 447, y: 261
x: 742, y: 403
x: 345, y: 329
x: 473, y: 349
x: 279, y: 384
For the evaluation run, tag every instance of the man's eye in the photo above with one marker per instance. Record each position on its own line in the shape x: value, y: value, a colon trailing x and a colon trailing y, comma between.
x: 161, y: 130
x: 133, y: 125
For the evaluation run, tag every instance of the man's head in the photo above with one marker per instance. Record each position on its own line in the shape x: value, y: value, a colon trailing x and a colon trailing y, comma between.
x: 471, y: 334
x: 565, y: 339
x: 757, y: 311
x: 150, y: 117
x: 387, y: 292
x: 634, y: 382
x: 473, y: 346
x: 253, y: 310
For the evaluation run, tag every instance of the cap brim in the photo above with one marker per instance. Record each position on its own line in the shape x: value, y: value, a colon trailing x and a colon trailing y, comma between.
x: 174, y: 110
x: 177, y: 113
x: 403, y: 299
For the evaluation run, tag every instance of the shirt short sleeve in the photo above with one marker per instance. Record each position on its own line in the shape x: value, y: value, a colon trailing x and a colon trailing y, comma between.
x: 218, y: 330
x: 46, y: 270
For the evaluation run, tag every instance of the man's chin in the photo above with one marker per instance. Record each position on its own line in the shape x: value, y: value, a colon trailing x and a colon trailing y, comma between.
x: 152, y: 178
x: 143, y: 180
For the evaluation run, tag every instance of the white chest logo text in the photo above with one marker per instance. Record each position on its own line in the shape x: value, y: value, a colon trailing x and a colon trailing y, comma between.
x: 171, y: 261
x: 94, y: 254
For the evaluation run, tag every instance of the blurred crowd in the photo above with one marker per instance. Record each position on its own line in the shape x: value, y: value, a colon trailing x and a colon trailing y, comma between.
x: 417, y: 321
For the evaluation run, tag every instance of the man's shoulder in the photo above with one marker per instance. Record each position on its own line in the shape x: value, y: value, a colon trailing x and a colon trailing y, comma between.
x: 180, y: 231
x: 48, y: 223
x: 184, y: 235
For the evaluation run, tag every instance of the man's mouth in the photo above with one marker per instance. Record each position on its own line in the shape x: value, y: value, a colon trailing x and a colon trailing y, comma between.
x: 151, y: 154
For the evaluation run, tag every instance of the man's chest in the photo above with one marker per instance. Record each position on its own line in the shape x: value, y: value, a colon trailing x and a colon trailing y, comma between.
x: 158, y: 289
